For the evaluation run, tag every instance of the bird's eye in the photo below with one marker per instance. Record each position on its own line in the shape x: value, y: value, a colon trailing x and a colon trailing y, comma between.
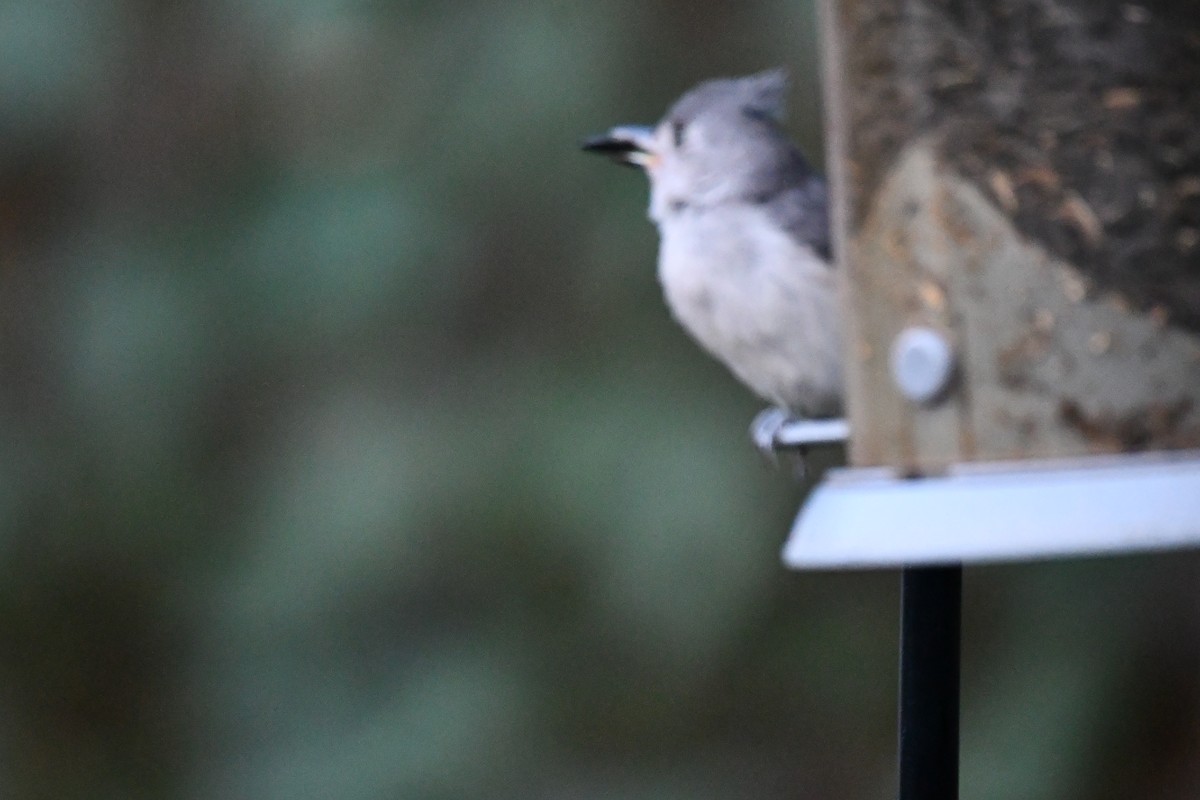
x: 677, y: 129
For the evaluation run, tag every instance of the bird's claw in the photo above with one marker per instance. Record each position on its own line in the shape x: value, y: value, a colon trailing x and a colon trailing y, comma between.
x: 764, y: 430
x: 764, y: 433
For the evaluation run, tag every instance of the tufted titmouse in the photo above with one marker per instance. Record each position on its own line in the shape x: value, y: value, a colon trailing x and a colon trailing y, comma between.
x: 744, y: 259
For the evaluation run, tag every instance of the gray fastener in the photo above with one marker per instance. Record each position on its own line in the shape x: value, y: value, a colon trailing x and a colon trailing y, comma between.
x: 922, y: 364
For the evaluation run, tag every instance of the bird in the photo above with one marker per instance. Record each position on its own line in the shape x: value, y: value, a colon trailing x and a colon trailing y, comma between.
x: 745, y: 256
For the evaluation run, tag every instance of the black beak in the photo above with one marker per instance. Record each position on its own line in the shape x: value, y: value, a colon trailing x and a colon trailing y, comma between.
x: 627, y: 144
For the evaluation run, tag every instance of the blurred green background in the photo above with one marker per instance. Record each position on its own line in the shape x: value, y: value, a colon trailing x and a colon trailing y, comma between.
x: 349, y: 451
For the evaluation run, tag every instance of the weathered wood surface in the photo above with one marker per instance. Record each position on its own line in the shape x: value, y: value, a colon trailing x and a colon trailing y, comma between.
x: 1024, y: 176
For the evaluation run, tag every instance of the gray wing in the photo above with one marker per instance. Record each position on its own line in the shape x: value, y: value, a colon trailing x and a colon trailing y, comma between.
x: 793, y: 193
x: 801, y: 207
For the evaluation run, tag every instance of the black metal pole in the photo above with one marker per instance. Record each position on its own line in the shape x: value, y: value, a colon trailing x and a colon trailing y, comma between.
x: 930, y: 621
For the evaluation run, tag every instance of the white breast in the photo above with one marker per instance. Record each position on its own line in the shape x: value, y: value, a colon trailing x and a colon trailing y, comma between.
x: 762, y: 303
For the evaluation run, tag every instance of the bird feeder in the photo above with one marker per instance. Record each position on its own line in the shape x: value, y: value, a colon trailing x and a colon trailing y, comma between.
x: 1017, y: 190
x: 1017, y: 219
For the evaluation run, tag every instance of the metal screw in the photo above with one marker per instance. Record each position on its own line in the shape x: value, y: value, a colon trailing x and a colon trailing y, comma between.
x: 922, y: 363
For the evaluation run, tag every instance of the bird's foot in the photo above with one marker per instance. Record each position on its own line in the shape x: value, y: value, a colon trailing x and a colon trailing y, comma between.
x: 765, y: 433
x: 764, y: 430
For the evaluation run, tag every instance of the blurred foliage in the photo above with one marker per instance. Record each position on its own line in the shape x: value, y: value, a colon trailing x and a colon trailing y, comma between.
x: 351, y: 453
